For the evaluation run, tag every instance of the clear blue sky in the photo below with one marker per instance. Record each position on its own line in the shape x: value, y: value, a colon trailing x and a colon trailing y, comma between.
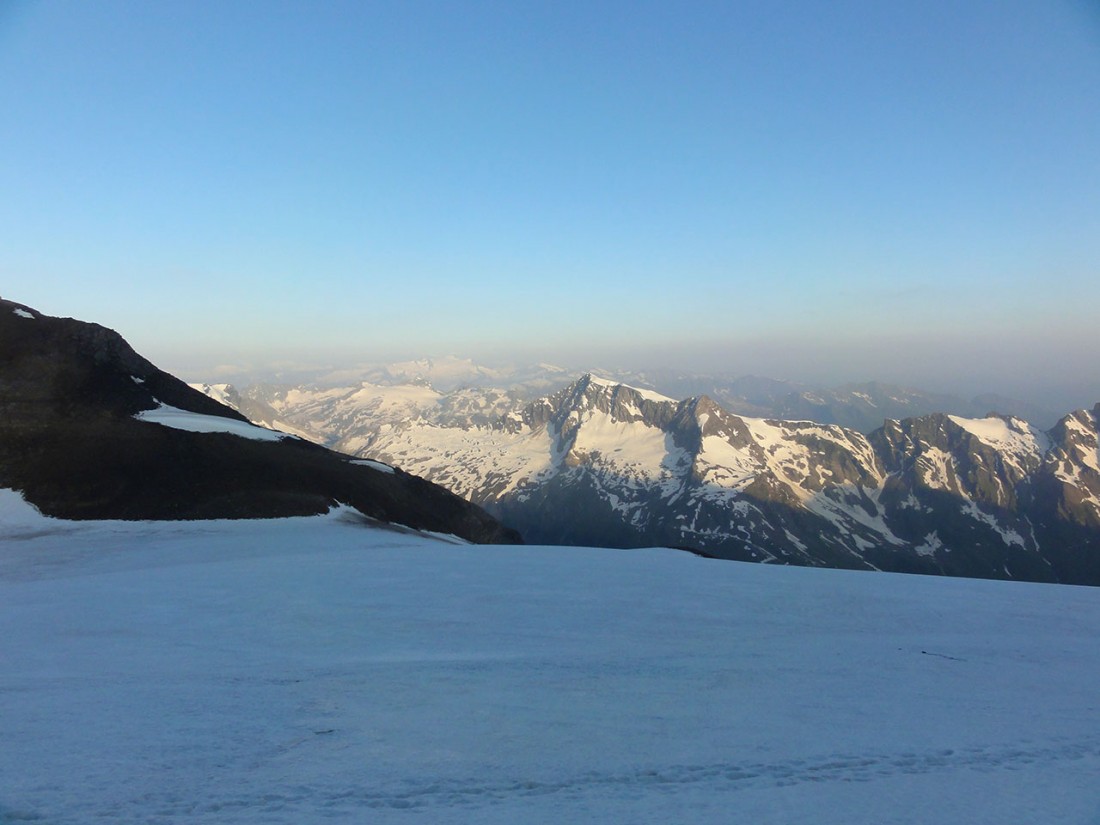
x: 850, y: 190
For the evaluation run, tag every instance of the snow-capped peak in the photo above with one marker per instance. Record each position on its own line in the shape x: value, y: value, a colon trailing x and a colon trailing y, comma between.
x: 1009, y: 435
x: 607, y: 383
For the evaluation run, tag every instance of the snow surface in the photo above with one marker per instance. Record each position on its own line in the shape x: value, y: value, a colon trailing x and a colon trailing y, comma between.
x: 931, y: 545
x: 1087, y: 441
x: 936, y: 468
x: 631, y: 449
x: 198, y: 423
x: 22, y: 313
x: 462, y: 460
x: 314, y: 670
x: 18, y: 517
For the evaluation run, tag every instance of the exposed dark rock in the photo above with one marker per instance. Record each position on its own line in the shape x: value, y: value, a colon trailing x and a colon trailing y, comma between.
x: 70, y: 443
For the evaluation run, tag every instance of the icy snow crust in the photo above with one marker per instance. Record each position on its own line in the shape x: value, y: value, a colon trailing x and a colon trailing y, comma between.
x: 309, y: 670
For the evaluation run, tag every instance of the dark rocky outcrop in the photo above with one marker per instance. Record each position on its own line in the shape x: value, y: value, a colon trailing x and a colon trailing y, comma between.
x: 71, y: 444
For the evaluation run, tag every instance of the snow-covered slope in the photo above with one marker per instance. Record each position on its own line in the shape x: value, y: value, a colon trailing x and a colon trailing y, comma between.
x: 314, y: 670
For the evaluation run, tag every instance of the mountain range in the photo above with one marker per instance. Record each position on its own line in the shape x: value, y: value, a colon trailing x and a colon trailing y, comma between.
x: 861, y: 406
x: 89, y: 429
x: 600, y: 462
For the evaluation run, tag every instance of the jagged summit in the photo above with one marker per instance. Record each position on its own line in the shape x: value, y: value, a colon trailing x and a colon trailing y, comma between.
x: 67, y: 366
x: 91, y: 429
x: 591, y: 392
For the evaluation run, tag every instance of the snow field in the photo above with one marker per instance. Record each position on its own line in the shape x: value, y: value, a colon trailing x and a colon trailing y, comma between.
x: 305, y: 670
x: 178, y: 419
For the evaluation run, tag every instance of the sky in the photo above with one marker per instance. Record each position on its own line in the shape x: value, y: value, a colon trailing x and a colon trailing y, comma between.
x: 841, y: 190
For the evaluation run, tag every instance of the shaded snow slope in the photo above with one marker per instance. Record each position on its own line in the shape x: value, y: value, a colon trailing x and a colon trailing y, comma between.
x: 308, y: 670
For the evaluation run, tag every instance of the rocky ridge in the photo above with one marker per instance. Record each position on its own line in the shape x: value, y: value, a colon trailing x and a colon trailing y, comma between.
x: 89, y: 429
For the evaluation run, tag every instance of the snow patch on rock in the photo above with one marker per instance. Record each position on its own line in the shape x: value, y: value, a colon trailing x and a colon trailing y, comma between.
x: 178, y: 419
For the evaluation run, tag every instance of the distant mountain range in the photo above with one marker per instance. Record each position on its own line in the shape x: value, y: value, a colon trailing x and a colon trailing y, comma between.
x: 91, y: 430
x: 860, y: 406
x: 600, y: 462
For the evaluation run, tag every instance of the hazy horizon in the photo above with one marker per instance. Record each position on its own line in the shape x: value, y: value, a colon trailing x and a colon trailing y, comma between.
x: 1054, y: 395
x: 819, y: 192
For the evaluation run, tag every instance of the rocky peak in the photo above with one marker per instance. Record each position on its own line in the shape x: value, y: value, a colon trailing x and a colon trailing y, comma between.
x: 983, y: 460
x: 1073, y: 463
x: 67, y: 366
x: 566, y: 409
x: 1077, y: 431
x: 72, y: 443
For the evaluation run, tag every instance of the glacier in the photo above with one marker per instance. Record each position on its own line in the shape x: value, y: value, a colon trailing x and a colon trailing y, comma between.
x: 309, y: 669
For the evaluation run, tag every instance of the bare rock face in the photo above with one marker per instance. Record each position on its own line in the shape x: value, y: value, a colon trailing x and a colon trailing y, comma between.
x: 73, y: 443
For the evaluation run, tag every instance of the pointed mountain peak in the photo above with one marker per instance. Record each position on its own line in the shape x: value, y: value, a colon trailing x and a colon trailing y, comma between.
x: 592, y: 392
x: 72, y: 366
x: 705, y: 404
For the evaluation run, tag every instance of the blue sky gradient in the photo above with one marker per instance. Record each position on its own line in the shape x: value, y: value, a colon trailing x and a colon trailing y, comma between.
x: 811, y: 190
